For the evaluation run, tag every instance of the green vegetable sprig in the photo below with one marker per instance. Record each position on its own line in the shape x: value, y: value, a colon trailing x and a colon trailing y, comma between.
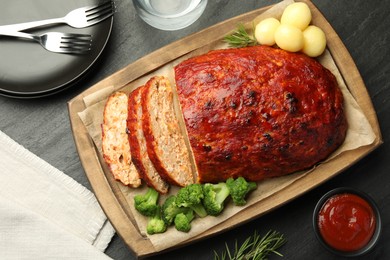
x: 254, y: 247
x: 241, y: 38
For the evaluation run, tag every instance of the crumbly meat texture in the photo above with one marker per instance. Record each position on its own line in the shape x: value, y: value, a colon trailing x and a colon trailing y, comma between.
x: 165, y: 142
x: 115, y: 143
x: 137, y: 142
x: 258, y: 112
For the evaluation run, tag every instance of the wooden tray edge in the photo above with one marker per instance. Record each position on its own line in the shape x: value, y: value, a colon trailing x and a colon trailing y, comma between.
x: 350, y: 73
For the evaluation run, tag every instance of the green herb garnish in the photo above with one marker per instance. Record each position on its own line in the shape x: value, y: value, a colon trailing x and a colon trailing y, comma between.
x: 254, y: 247
x: 241, y: 38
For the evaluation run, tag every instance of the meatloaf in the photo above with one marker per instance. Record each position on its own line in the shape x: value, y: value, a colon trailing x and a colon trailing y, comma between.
x: 258, y: 112
x: 115, y: 143
x: 137, y: 141
x: 164, y: 140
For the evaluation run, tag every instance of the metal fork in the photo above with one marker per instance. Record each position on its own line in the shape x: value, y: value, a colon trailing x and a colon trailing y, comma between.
x: 78, y: 18
x: 58, y: 42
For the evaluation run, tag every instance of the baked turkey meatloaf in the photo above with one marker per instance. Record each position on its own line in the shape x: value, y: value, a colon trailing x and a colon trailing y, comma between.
x: 137, y: 142
x: 115, y: 143
x: 258, y: 112
x: 164, y: 140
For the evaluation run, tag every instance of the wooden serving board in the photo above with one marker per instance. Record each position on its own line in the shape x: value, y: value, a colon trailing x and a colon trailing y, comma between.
x: 106, y: 188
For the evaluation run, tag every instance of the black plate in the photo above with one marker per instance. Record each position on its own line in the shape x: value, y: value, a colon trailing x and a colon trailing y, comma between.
x: 27, y: 69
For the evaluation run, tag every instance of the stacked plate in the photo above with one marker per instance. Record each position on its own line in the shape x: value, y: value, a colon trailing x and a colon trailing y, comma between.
x: 26, y: 69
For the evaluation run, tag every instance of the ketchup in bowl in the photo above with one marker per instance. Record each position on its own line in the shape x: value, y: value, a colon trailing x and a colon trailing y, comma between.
x: 347, y: 222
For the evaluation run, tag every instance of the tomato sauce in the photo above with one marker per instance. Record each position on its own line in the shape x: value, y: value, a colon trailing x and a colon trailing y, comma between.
x: 346, y: 222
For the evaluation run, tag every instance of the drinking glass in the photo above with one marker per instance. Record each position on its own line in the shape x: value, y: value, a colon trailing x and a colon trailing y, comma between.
x: 170, y: 15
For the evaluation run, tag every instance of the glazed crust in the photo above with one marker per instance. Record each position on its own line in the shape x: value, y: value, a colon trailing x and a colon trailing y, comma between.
x: 258, y: 112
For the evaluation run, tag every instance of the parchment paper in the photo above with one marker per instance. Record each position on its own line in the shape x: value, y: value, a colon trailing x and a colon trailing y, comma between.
x: 359, y: 134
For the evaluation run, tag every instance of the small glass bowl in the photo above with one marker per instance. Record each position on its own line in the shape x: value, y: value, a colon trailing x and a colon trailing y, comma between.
x: 378, y: 227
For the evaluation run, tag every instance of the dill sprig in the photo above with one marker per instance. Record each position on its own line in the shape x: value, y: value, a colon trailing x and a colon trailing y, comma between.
x: 240, y: 37
x: 254, y: 247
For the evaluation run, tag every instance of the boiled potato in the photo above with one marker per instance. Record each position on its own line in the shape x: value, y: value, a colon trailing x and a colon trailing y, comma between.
x: 297, y: 14
x: 265, y: 31
x: 289, y: 38
x: 314, y: 41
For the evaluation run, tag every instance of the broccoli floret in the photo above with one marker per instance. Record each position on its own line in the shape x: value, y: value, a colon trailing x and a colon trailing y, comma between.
x: 191, y: 196
x: 214, y: 197
x: 146, y: 204
x: 170, y: 210
x: 183, y: 220
x: 156, y: 224
x: 239, y: 188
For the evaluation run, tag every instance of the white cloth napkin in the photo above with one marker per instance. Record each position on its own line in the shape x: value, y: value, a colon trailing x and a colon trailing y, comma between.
x: 45, y: 214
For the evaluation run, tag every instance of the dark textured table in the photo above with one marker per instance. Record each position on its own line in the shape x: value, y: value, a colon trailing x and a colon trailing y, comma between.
x: 42, y: 125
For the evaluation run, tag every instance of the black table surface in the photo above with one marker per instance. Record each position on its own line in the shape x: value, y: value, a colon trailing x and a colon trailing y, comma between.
x: 42, y: 125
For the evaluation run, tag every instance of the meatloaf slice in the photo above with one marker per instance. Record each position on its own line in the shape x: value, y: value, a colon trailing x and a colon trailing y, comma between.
x: 258, y: 112
x: 137, y: 142
x: 115, y: 143
x: 165, y: 143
